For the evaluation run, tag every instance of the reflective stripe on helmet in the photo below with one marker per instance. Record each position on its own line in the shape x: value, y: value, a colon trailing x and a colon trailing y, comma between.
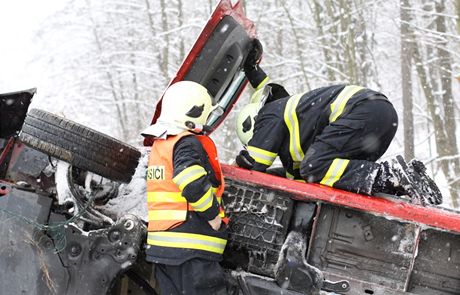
x: 189, y: 175
x: 261, y: 156
x: 290, y: 118
x: 335, y: 171
x: 187, y: 240
x: 339, y: 103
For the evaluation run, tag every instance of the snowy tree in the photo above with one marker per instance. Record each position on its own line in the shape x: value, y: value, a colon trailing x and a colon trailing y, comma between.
x: 111, y: 61
x: 433, y: 62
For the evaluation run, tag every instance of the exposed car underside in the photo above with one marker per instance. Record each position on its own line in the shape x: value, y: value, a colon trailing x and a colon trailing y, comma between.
x: 57, y: 178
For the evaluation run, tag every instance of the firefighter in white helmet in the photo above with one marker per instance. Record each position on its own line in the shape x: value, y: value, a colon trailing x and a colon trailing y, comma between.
x: 187, y: 224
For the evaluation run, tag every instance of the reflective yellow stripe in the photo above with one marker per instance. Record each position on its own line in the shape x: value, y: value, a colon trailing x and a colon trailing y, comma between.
x: 335, y: 171
x: 261, y: 156
x: 214, y: 191
x: 186, y: 240
x: 204, y: 202
x: 341, y: 100
x: 188, y: 175
x: 262, y: 84
x: 167, y: 214
x: 290, y: 117
x: 290, y: 176
x: 165, y: 197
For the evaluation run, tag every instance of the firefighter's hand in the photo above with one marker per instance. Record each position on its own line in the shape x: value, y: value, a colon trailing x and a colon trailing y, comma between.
x: 254, y: 55
x: 215, y: 223
x: 244, y: 160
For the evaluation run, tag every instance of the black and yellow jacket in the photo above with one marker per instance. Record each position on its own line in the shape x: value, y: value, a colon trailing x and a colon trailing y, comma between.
x: 286, y: 127
x: 184, y: 187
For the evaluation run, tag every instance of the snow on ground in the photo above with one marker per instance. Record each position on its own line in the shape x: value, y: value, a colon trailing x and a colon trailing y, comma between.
x: 131, y: 197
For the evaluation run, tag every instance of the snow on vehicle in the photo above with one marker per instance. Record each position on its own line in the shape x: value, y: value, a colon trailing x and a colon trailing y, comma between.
x: 57, y: 240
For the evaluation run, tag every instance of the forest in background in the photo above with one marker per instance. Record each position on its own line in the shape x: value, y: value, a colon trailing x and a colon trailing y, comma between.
x: 105, y: 63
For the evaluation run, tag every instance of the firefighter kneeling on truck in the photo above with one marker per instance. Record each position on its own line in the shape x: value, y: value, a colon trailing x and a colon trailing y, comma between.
x: 186, y: 231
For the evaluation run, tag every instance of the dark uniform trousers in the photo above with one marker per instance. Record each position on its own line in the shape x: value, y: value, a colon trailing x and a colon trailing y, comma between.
x: 362, y: 135
x: 193, y: 277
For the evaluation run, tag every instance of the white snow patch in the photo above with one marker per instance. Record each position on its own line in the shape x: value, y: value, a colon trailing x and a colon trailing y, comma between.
x: 132, y: 197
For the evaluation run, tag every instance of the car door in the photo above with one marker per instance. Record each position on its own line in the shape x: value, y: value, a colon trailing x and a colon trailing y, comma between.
x: 216, y: 59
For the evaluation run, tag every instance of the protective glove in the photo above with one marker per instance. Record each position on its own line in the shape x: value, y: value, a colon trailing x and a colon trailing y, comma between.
x: 244, y: 160
x: 276, y: 92
x: 254, y: 55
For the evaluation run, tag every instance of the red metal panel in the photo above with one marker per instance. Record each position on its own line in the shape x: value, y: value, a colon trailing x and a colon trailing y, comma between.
x: 223, y: 8
x: 389, y: 208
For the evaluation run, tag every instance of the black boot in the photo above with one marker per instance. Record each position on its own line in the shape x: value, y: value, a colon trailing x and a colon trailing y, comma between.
x: 426, y: 187
x: 396, y: 177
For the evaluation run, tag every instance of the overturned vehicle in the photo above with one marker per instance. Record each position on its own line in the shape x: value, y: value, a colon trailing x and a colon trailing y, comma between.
x: 60, y: 236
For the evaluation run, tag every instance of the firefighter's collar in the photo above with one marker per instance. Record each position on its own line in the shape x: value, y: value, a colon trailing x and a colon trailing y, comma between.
x: 162, y: 130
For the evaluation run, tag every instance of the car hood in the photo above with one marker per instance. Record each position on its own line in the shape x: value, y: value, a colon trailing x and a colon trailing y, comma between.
x: 216, y: 60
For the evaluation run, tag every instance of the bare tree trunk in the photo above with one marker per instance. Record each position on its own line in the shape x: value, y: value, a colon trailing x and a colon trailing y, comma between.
x: 445, y: 69
x: 109, y: 75
x: 438, y: 102
x: 139, y: 119
x: 334, y: 40
x: 165, y: 51
x: 298, y: 46
x: 362, y: 44
x: 150, y: 17
x: 439, y: 131
x: 211, y: 5
x: 180, y: 16
x: 279, y: 35
x: 316, y: 10
x: 406, y: 54
x: 457, y: 6
x: 347, y: 41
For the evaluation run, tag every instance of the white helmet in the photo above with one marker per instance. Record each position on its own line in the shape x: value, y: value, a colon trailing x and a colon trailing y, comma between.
x: 245, y: 122
x: 247, y: 116
x: 186, y: 105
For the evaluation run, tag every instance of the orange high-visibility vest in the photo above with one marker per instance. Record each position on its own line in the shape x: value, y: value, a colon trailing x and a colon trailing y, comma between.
x: 167, y: 208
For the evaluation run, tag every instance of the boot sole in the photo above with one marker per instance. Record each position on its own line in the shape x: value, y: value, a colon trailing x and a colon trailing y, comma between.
x: 433, y: 194
x: 423, y: 189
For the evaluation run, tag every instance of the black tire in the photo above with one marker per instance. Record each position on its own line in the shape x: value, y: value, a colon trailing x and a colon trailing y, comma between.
x: 81, y: 146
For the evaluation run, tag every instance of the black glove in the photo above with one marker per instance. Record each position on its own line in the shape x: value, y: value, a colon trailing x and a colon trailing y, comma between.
x: 244, y: 160
x: 276, y: 92
x: 254, y: 55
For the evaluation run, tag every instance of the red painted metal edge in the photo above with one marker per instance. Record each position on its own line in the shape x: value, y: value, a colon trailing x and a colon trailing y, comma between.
x: 223, y: 8
x: 6, y: 150
x: 389, y: 208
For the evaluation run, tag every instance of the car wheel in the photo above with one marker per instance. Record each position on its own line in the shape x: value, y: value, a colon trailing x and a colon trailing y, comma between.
x: 80, y: 146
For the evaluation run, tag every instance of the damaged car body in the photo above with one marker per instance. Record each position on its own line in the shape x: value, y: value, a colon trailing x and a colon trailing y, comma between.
x: 53, y: 241
x: 286, y: 237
